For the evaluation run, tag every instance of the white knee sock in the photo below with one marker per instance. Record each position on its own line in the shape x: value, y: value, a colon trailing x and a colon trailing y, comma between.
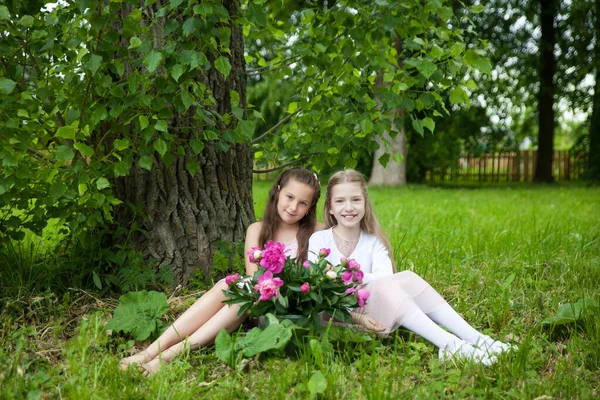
x: 448, y: 317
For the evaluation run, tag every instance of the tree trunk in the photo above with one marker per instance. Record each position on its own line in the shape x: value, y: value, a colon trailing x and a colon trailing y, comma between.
x: 543, y: 168
x: 184, y: 217
x: 593, y: 170
x: 393, y: 174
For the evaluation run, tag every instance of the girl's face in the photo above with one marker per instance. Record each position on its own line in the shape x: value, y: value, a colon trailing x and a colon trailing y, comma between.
x: 347, y: 205
x: 294, y: 201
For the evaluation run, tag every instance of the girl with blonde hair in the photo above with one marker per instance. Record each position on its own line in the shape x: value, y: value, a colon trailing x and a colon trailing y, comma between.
x: 396, y: 299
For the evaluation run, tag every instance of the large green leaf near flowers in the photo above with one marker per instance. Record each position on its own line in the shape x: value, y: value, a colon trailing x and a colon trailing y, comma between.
x: 139, y: 314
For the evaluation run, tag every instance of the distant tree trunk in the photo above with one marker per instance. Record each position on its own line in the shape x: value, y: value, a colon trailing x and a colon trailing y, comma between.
x: 593, y: 171
x: 184, y: 216
x: 543, y: 167
x: 393, y: 174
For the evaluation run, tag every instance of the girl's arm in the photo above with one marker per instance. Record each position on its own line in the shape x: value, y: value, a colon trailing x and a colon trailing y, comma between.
x: 382, y: 264
x: 252, y: 234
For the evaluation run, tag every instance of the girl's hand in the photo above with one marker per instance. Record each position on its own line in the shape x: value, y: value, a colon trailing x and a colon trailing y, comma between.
x: 367, y: 322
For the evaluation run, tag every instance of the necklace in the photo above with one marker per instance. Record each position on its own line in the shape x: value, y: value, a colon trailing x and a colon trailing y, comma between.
x: 346, y: 247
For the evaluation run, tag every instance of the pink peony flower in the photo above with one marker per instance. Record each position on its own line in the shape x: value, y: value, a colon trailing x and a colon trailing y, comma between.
x: 268, y: 286
x: 254, y: 255
x: 331, y: 274
x: 352, y: 275
x: 347, y: 277
x: 305, y: 287
x: 273, y: 257
x: 324, y: 253
x: 232, y: 278
x: 353, y: 264
x: 350, y: 290
x: 306, y: 264
x: 362, y: 295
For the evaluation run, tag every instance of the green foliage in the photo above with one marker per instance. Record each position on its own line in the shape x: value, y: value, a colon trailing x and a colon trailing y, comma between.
x: 571, y: 313
x: 139, y: 314
x: 231, y: 350
x: 351, y: 65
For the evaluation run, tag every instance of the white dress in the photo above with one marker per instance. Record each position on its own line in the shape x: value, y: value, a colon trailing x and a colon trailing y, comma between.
x: 393, y: 295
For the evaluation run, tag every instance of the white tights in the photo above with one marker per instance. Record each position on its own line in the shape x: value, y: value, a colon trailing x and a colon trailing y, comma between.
x: 405, y: 299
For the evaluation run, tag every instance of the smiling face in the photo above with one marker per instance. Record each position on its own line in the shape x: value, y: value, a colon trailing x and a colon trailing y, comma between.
x: 294, y: 201
x: 347, y: 205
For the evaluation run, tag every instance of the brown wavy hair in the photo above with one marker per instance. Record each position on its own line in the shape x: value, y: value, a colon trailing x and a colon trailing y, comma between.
x: 369, y: 222
x: 271, y: 218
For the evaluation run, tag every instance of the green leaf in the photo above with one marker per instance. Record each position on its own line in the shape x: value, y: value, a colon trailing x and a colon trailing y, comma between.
x: 471, y: 84
x: 161, y: 125
x: 177, y: 71
x: 317, y: 383
x: 121, y: 144
x: 192, y: 167
x: 64, y: 153
x: 160, y: 146
x: 427, y: 68
x: 398, y: 158
x: 102, y: 183
x: 458, y: 95
x: 7, y: 86
x: 429, y: 124
x: 224, y: 347
x: 139, y: 314
x: 145, y: 162
x: 67, y: 132
x: 275, y: 336
x: 134, y: 43
x: 384, y: 159
x: 4, y: 14
x: 122, y: 167
x: 96, y: 280
x: 417, y: 125
x: 144, y: 122
x: 197, y: 146
x: 26, y: 21
x: 83, y: 149
x: 187, y: 99
x: 203, y: 9
x: 367, y: 125
x: 292, y: 107
x: 473, y: 59
x: 152, y: 60
x: 94, y: 63
x: 456, y: 49
x: 477, y: 8
x: 223, y: 66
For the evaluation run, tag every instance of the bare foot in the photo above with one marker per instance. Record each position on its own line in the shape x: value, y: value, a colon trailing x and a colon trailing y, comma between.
x: 151, y: 367
x: 138, y: 359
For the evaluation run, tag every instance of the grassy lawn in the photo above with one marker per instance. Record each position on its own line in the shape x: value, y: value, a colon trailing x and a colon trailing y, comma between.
x: 506, y: 258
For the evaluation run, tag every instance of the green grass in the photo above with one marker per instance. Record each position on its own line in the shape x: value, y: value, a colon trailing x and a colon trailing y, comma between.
x: 505, y: 257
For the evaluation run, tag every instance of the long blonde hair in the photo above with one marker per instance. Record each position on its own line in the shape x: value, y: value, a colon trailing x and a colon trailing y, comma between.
x: 306, y: 226
x: 369, y: 222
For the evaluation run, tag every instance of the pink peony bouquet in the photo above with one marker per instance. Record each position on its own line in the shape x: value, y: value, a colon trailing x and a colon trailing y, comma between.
x: 285, y: 288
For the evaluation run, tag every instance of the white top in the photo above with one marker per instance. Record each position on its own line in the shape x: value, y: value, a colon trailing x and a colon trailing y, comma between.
x: 291, y: 249
x: 370, y: 253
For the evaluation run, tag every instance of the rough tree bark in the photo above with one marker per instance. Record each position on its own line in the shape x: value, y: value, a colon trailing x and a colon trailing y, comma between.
x: 393, y: 174
x: 186, y: 216
x: 543, y: 165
